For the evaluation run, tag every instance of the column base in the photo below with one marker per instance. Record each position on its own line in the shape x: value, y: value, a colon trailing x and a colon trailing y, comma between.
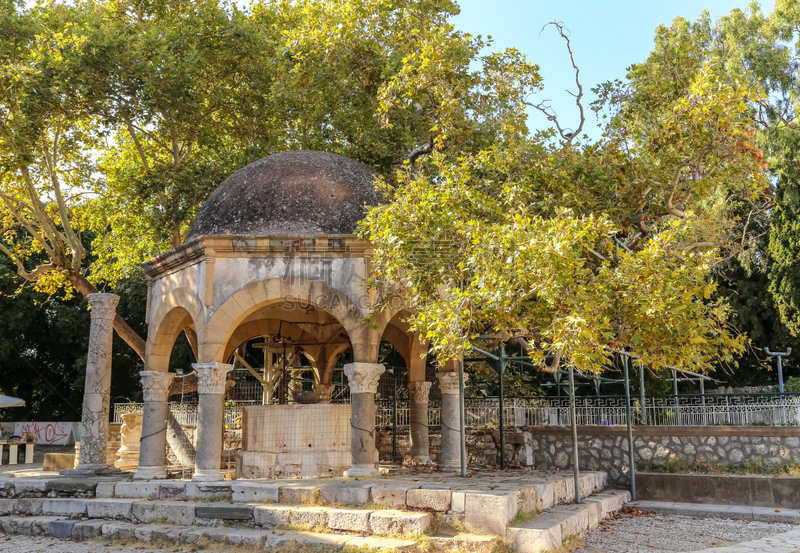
x: 362, y: 470
x: 207, y: 475
x: 90, y: 469
x: 150, y: 473
x: 423, y: 460
x: 450, y: 466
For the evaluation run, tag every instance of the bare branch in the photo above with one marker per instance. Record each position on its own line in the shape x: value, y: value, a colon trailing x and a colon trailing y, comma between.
x: 551, y: 116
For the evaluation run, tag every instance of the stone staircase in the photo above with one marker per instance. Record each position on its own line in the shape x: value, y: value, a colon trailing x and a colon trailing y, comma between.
x: 530, y: 510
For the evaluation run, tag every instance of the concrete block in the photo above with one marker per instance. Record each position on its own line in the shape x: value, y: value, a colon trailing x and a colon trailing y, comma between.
x: 30, y: 526
x: 349, y: 493
x: 434, y: 500
x: 213, y: 491
x: 244, y: 537
x: 546, y: 495
x: 304, y: 539
x: 224, y: 511
x: 458, y: 502
x: 29, y: 487
x: 168, y: 534
x: 255, y: 493
x: 533, y: 539
x: 104, y: 489
x: 6, y: 487
x: 156, y: 532
x: 7, y: 507
x: 297, y: 494
x: 88, y: 529
x: 381, y: 544
x: 28, y: 505
x: 176, y: 512
x: 66, y: 506
x: 310, y: 516
x: 399, y: 522
x: 393, y: 495
x: 72, y: 486
x: 192, y: 535
x: 350, y: 520
x: 113, y: 509
x: 528, y: 499
x: 489, y: 512
x: 118, y: 530
x: 172, y: 490
x: 217, y: 535
x: 270, y: 516
x: 61, y: 528
x: 54, y: 462
x: 148, y: 490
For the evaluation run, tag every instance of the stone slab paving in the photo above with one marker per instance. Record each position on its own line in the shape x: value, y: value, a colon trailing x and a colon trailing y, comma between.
x: 671, y: 533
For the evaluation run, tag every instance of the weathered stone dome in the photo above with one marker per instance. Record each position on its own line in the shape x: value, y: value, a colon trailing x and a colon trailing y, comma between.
x: 297, y: 193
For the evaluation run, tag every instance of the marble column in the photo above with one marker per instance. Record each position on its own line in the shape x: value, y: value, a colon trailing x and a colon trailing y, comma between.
x: 363, y: 381
x: 153, y: 448
x: 450, y: 458
x: 210, y: 417
x: 97, y: 388
x: 420, y: 449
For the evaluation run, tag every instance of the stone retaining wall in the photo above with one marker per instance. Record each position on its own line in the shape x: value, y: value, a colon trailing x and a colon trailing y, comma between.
x: 482, y: 447
x: 606, y: 448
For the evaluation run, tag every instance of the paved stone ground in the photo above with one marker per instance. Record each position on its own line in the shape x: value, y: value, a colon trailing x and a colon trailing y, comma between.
x: 648, y: 533
x: 41, y: 544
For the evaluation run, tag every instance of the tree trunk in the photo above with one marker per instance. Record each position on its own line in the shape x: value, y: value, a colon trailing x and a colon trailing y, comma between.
x: 122, y: 328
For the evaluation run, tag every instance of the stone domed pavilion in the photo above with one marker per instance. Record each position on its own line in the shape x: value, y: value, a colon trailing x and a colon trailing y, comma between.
x: 272, y: 253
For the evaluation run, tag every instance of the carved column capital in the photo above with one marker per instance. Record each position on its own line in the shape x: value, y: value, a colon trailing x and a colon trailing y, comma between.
x: 104, y: 306
x: 363, y: 377
x: 155, y: 385
x: 419, y: 391
x: 448, y: 382
x: 211, y: 377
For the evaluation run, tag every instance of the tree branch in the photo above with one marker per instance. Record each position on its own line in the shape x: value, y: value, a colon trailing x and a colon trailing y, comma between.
x: 565, y: 134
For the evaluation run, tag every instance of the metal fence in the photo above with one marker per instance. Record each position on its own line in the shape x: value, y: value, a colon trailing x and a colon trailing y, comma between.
x: 686, y: 410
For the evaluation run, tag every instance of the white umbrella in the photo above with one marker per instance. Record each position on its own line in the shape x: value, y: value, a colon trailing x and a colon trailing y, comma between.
x: 7, y: 401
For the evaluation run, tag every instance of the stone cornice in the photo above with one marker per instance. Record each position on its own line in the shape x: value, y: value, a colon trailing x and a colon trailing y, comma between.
x: 197, y: 250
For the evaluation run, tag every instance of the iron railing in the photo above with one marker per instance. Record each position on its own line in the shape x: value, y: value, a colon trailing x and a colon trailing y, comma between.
x: 683, y: 410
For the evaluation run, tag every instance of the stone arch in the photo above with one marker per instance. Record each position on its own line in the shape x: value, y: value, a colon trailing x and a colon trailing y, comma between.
x: 382, y: 318
x: 179, y: 309
x: 293, y: 293
x: 253, y: 329
x: 407, y: 343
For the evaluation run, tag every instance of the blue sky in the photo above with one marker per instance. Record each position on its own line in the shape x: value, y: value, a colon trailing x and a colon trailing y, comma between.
x: 607, y: 36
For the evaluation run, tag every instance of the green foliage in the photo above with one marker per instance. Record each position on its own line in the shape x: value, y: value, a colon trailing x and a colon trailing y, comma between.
x: 43, y: 348
x: 582, y: 248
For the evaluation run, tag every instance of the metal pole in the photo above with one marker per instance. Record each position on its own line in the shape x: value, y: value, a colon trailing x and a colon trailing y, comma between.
x: 779, y: 355
x: 501, y: 363
x: 462, y: 430
x: 631, y: 464
x: 557, y: 376
x: 394, y: 415
x: 675, y: 394
x: 642, y: 393
x: 575, y: 463
x: 703, y: 400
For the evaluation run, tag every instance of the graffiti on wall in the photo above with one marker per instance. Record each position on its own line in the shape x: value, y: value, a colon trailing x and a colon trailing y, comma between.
x: 51, y: 433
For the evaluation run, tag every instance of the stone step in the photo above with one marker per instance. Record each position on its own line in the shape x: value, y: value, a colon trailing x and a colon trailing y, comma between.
x: 465, y: 542
x: 180, y: 534
x: 363, y: 521
x: 548, y: 530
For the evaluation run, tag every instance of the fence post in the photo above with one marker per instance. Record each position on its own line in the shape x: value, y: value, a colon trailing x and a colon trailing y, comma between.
x: 630, y: 429
x: 575, y: 461
x: 642, y: 393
